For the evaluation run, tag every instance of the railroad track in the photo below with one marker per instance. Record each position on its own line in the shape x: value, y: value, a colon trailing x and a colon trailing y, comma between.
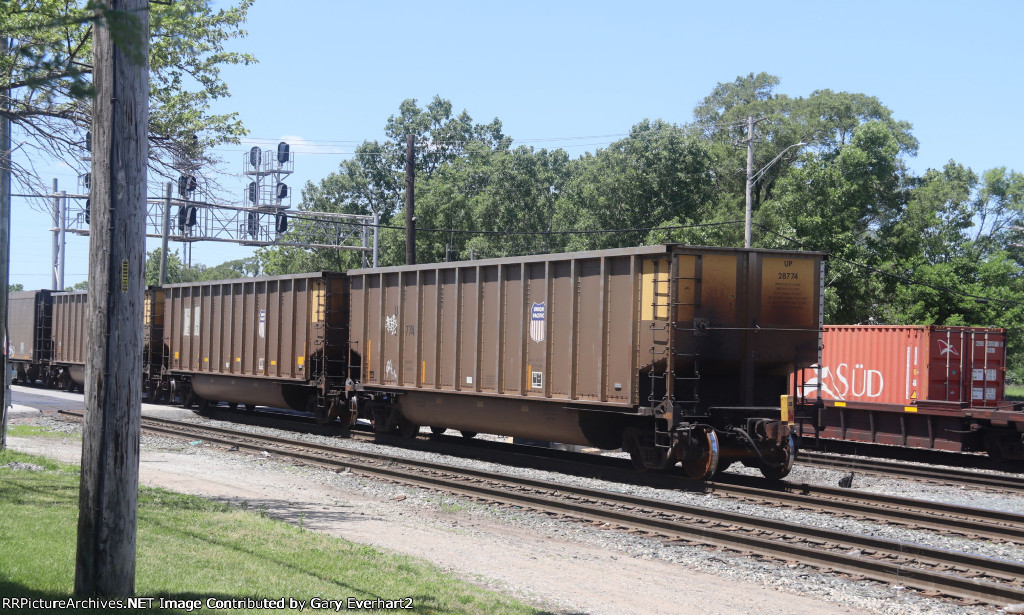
x: 947, y: 519
x: 937, y: 571
x: 943, y: 475
x: 970, y: 523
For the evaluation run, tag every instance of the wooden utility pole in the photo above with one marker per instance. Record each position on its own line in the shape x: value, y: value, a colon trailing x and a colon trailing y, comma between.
x: 410, y: 208
x: 105, y: 564
x: 5, y: 241
x: 750, y: 174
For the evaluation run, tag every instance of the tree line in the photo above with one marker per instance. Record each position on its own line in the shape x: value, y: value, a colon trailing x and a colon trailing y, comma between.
x: 940, y: 247
x: 936, y: 248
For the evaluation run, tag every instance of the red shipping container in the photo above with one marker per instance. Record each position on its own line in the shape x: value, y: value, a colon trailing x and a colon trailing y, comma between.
x: 905, y: 364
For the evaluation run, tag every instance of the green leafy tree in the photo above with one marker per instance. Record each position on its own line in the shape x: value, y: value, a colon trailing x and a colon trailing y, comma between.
x: 83, y: 285
x: 660, y: 174
x: 506, y: 199
x: 933, y: 228
x: 15, y: 288
x: 49, y: 74
x: 230, y: 270
x: 999, y: 208
x: 373, y: 182
x: 825, y: 121
x: 177, y: 271
x: 839, y: 203
x: 952, y: 266
x: 522, y: 204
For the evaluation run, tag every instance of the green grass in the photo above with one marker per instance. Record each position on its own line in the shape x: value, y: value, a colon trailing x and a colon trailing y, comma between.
x: 191, y: 548
x: 1015, y: 392
x: 25, y: 431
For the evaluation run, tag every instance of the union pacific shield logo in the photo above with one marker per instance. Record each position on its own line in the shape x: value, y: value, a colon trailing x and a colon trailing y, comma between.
x: 537, y: 313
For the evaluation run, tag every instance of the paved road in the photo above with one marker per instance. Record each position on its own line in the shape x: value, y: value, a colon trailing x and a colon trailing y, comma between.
x: 30, y: 401
x: 45, y: 400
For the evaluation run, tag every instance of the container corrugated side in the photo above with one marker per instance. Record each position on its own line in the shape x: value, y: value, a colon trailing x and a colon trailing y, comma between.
x: 905, y: 364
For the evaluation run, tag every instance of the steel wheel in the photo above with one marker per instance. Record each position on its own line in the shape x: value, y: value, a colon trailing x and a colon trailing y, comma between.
x: 703, y: 465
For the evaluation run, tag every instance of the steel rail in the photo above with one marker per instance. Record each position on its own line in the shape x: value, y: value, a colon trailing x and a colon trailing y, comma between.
x: 644, y: 513
x: 939, y: 516
x: 942, y: 475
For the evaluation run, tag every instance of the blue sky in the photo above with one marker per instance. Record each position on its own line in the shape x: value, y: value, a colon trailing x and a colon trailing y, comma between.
x: 578, y: 75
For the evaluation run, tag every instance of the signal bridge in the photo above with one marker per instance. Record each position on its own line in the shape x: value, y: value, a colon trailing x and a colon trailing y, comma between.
x: 191, y: 215
x: 192, y: 220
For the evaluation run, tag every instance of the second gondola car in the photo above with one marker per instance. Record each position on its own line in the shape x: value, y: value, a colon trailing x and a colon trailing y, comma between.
x: 276, y: 341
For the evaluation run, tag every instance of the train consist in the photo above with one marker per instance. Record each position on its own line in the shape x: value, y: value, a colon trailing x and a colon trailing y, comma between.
x: 677, y: 354
x: 930, y: 387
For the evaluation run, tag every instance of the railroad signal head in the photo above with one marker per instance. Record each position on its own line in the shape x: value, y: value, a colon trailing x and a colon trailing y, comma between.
x: 252, y: 192
x: 253, y: 224
x: 187, y: 184
x: 186, y: 217
x: 281, y: 224
x: 87, y: 216
x: 282, y: 191
x: 87, y: 181
x: 283, y: 152
x: 254, y: 156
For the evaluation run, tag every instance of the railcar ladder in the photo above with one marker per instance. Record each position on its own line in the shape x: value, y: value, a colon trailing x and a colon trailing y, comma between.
x: 690, y: 383
x: 679, y: 389
x: 43, y: 334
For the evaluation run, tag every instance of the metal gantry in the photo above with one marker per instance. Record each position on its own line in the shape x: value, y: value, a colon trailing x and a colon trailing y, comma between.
x: 194, y: 220
x: 192, y: 214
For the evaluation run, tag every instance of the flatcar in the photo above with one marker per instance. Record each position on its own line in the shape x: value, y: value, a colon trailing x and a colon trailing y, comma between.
x: 926, y: 387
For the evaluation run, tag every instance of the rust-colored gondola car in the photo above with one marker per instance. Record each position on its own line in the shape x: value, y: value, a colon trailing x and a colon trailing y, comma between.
x: 676, y: 353
x: 277, y: 341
